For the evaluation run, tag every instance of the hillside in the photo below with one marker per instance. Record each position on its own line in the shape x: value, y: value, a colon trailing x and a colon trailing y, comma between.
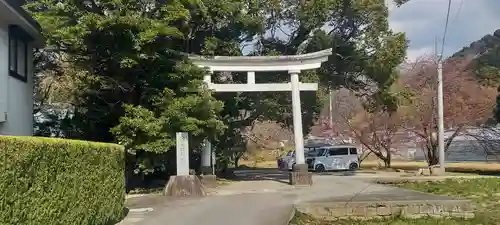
x: 486, y: 58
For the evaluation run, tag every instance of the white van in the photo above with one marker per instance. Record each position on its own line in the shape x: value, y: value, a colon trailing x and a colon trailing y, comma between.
x: 332, y: 157
x: 287, y: 161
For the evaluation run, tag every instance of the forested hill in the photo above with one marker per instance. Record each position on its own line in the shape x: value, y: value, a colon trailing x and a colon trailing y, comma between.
x: 486, y: 54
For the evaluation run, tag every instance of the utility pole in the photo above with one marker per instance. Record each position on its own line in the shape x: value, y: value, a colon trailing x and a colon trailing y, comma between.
x: 436, y: 45
x: 330, y: 109
x: 440, y: 114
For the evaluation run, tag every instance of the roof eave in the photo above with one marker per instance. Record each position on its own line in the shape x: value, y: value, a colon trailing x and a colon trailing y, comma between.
x: 30, y: 25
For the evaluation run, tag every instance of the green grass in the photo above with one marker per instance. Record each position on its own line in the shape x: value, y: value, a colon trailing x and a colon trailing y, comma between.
x: 484, y: 192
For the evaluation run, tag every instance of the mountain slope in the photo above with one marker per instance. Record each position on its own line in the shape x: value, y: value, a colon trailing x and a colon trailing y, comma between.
x: 486, y: 58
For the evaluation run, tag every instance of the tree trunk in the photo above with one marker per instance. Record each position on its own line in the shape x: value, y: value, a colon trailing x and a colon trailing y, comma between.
x: 432, y: 156
x: 237, y: 161
x: 388, y: 159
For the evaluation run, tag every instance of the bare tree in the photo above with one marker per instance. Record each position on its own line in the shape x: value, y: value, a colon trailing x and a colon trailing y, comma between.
x: 374, y: 132
x: 377, y: 132
x: 466, y: 103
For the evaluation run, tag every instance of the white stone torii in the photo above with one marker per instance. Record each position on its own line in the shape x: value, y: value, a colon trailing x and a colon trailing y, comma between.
x: 294, y: 64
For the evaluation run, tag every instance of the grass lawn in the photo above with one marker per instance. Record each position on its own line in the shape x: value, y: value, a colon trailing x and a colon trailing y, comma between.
x: 464, y: 167
x: 484, y: 192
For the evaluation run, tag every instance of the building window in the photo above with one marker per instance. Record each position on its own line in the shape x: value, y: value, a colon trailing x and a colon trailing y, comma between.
x: 18, y: 53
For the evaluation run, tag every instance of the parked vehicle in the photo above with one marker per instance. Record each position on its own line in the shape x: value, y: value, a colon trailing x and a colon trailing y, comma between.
x: 286, y: 162
x: 317, y: 152
x: 332, y: 157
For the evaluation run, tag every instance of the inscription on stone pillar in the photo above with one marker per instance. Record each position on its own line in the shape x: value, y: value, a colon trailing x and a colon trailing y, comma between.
x: 182, y: 152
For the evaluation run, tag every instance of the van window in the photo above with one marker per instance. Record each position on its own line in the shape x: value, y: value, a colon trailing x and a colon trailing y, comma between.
x: 353, y: 151
x: 320, y: 152
x: 311, y: 153
x: 338, y: 151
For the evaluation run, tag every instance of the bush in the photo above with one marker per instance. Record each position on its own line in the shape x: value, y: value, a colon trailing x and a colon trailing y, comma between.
x: 56, y: 181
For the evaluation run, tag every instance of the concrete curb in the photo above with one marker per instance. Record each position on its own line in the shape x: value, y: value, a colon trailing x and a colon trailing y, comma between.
x: 420, y: 179
x: 293, y: 210
x: 134, y: 196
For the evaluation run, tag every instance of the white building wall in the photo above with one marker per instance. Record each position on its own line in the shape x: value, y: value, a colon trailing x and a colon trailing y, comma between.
x: 16, y: 97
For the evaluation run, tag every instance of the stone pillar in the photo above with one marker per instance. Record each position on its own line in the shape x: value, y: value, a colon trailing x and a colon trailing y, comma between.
x: 183, y: 184
x: 206, y: 153
x: 208, y: 179
x: 300, y: 174
x: 206, y: 158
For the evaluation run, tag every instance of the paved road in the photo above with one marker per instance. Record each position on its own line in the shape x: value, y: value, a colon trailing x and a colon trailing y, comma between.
x: 242, y: 209
x: 262, y: 200
x: 247, y: 209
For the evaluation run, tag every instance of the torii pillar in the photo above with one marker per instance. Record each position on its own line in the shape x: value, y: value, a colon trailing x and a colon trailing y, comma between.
x: 294, y: 64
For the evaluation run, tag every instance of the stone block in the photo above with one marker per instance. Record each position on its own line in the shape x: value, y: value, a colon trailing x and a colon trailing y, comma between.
x: 349, y: 211
x: 359, y: 211
x: 336, y: 212
x: 413, y: 216
x: 463, y: 215
x: 456, y: 208
x: 300, y: 178
x: 206, y: 170
x: 384, y: 211
x: 208, y: 180
x: 436, y: 216
x: 184, y: 186
x: 426, y: 209
x: 410, y: 210
x: 437, y: 171
x: 437, y: 209
x: 469, y: 215
x: 396, y: 210
x: 371, y: 212
x: 448, y: 207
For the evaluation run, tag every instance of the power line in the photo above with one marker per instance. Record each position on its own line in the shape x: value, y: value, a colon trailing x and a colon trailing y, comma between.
x: 445, y: 28
x: 458, y: 11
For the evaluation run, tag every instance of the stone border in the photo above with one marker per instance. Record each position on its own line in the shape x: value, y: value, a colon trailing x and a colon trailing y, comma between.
x: 395, y: 180
x: 388, y: 209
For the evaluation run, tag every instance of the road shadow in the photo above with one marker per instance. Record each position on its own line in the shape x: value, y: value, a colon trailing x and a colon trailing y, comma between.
x: 253, y: 174
x: 339, y: 173
x: 273, y: 174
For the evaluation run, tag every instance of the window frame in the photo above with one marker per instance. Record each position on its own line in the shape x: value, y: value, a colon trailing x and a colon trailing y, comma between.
x: 338, y: 150
x: 18, y: 35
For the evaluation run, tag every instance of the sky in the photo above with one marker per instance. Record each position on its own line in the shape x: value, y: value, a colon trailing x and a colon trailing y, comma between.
x: 423, y: 22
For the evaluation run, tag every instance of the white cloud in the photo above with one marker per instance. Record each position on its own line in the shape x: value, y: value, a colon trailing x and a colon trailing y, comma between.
x: 423, y: 21
x: 413, y: 54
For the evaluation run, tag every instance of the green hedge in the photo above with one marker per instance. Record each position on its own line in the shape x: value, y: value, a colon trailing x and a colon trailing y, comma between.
x: 48, y: 181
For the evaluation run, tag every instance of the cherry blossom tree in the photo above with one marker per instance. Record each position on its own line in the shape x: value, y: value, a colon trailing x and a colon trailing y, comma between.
x: 374, y: 130
x: 466, y: 102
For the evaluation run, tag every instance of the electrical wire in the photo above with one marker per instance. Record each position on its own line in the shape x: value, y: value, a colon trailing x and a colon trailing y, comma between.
x: 445, y: 29
x: 458, y: 11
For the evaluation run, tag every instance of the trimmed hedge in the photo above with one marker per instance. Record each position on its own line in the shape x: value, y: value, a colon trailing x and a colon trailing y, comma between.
x: 49, y: 181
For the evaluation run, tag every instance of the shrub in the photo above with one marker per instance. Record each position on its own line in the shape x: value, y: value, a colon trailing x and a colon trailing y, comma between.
x: 56, y: 181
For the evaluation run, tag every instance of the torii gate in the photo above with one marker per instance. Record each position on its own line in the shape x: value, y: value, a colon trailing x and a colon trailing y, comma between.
x: 294, y: 64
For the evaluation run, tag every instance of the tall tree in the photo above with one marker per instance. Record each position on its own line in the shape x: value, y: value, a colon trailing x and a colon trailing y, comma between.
x: 127, y: 57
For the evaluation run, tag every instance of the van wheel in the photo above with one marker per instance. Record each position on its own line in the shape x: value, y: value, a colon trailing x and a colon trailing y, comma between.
x: 319, y: 168
x: 353, y: 166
